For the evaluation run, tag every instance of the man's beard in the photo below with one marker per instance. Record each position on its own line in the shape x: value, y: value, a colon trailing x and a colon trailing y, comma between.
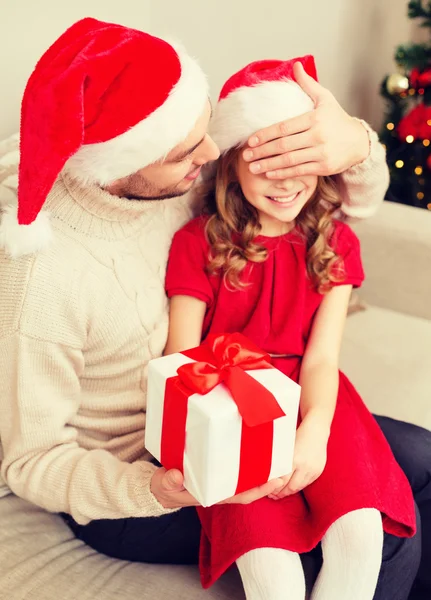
x: 137, y: 187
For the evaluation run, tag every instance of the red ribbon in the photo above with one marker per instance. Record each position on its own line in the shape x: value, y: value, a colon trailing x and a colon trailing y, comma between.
x: 224, y: 359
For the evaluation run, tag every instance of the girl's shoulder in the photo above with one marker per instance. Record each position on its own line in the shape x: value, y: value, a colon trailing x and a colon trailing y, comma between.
x: 343, y: 238
x: 196, y: 227
x: 192, y: 237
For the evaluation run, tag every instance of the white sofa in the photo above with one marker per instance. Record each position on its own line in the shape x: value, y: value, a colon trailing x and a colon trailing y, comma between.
x: 387, y: 347
x: 386, y: 353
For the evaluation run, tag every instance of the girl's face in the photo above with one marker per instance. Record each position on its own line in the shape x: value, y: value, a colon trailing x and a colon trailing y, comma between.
x: 278, y: 202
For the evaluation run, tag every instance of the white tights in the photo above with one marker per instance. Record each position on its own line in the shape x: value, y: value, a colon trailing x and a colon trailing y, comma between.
x: 352, y: 556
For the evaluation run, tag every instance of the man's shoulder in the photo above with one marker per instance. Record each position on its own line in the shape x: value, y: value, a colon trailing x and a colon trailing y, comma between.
x: 39, y: 294
x: 15, y: 274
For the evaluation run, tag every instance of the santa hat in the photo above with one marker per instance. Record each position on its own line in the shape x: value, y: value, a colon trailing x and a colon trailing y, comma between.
x: 103, y: 102
x: 261, y: 94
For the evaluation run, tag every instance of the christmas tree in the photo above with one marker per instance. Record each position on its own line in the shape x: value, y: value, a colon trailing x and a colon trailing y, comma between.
x: 406, y: 132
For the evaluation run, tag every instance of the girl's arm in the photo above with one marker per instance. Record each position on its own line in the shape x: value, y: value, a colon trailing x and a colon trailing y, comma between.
x: 186, y: 317
x: 319, y: 371
x: 319, y: 381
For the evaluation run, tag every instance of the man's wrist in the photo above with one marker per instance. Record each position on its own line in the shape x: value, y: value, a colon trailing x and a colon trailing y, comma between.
x: 363, y: 144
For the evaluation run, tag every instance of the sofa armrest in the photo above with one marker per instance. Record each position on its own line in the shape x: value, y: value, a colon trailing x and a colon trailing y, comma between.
x: 396, y: 251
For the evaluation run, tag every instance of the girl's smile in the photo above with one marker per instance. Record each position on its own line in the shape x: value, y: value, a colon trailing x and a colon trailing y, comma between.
x: 278, y: 203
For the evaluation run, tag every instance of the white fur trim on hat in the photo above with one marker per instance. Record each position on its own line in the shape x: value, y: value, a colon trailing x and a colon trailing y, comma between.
x: 152, y: 138
x: 19, y: 240
x: 248, y: 109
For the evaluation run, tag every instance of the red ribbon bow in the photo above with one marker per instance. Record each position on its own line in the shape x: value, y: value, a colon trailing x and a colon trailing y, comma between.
x: 225, y: 358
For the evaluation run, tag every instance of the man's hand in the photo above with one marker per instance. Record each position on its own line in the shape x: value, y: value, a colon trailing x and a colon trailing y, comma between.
x: 308, y: 462
x: 324, y: 141
x: 168, y: 489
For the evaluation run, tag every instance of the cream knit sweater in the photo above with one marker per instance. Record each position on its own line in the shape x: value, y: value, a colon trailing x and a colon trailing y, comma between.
x: 78, y: 324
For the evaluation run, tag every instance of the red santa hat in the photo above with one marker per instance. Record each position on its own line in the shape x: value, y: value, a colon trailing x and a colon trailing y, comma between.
x: 261, y: 94
x: 103, y: 102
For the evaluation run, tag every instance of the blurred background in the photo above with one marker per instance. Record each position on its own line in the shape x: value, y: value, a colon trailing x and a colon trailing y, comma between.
x: 354, y: 42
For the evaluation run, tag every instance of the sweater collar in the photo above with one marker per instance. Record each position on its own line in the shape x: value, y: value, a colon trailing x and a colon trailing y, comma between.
x: 95, y: 212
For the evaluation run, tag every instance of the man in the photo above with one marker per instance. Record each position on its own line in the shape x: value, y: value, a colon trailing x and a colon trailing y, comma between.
x: 113, y: 136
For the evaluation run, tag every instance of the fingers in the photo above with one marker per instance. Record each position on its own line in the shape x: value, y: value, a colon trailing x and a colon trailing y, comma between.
x: 175, y: 495
x: 276, y: 494
x: 282, y: 161
x: 279, y: 146
x: 173, y: 481
x: 184, y: 499
x: 283, y: 129
x: 311, y: 168
x: 297, y: 483
x: 310, y: 86
x: 168, y: 489
x: 256, y: 494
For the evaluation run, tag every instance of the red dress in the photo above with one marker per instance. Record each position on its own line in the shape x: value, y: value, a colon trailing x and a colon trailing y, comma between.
x: 276, y: 312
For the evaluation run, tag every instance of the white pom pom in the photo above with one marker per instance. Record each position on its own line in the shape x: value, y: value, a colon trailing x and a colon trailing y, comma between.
x: 19, y: 240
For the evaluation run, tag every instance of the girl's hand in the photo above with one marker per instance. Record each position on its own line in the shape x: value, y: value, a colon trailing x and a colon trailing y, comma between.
x: 324, y: 141
x: 308, y: 462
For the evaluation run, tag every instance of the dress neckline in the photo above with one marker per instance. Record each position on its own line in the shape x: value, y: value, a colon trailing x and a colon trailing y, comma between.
x: 269, y: 240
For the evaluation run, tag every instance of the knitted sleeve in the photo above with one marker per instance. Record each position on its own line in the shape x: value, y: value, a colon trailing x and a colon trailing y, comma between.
x: 43, y: 462
x: 363, y: 186
x: 40, y: 396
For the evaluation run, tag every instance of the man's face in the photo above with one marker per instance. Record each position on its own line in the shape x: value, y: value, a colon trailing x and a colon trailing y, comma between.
x: 177, y: 172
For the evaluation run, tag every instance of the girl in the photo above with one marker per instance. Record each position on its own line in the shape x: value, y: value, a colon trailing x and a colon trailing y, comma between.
x: 270, y: 260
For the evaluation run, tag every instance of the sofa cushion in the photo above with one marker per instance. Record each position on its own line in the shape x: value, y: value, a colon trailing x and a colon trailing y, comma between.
x: 42, y: 560
x: 387, y: 356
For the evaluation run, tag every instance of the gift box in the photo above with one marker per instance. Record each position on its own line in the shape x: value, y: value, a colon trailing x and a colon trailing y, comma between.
x: 223, y: 416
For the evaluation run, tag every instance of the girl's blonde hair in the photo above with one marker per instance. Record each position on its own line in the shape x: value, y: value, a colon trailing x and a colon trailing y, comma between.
x: 233, y: 225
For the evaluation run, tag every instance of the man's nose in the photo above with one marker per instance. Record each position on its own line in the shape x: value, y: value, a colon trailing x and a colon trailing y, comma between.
x: 208, y: 150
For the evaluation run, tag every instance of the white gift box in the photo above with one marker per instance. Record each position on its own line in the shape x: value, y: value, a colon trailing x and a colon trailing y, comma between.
x: 214, y: 427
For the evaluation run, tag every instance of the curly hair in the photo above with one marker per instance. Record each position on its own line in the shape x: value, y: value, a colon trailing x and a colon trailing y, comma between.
x: 233, y: 225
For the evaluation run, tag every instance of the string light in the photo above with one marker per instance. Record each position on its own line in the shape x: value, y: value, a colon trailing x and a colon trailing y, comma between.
x: 390, y: 126
x: 399, y: 164
x: 418, y: 170
x: 420, y: 195
x: 411, y: 91
x: 410, y: 139
x: 429, y: 206
x: 403, y: 95
x: 426, y: 142
x: 421, y: 91
x: 429, y: 122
